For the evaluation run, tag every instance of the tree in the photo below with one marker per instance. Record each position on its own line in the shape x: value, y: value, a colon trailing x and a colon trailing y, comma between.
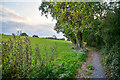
x: 54, y: 37
x: 72, y: 17
x: 110, y: 32
x: 107, y: 37
x: 35, y: 36
x: 23, y: 34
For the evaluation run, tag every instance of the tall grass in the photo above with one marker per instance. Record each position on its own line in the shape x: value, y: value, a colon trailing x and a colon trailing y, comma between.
x: 19, y: 60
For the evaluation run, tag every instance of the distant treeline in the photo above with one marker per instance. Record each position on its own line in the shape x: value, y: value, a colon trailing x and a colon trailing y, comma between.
x: 53, y: 37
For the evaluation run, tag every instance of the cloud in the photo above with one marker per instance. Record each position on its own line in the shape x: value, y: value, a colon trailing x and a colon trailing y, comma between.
x: 8, y: 14
x: 12, y: 21
x: 42, y: 30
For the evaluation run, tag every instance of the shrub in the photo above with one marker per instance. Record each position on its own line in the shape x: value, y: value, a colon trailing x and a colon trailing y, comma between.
x: 35, y: 36
x: 23, y: 34
x: 90, y: 67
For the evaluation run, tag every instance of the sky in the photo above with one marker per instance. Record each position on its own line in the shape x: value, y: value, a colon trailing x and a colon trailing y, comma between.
x: 25, y: 16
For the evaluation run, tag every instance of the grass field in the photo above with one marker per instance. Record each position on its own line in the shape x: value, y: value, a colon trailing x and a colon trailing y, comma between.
x: 15, y: 58
x: 62, y: 46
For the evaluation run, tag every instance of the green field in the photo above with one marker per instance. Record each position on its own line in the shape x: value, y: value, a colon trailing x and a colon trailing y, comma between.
x: 62, y: 46
x: 64, y: 65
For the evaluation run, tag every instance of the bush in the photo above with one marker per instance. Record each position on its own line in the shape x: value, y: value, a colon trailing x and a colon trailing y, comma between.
x: 23, y: 34
x: 111, y: 61
x: 112, y: 43
x: 35, y: 36
x: 106, y: 38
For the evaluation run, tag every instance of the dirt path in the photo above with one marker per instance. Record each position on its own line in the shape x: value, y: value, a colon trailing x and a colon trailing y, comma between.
x: 93, y: 60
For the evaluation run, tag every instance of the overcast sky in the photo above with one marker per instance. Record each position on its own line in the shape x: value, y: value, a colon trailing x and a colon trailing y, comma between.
x: 25, y: 16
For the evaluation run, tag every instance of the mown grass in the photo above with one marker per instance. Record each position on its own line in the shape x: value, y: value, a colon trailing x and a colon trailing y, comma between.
x: 39, y: 58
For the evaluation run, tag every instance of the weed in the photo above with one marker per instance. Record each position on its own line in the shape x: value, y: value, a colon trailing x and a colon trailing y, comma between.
x: 88, y: 73
x: 21, y: 60
x: 90, y: 67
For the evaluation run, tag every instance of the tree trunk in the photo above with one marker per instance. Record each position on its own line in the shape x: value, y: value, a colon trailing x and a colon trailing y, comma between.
x: 79, y: 36
x: 74, y: 41
x: 81, y: 39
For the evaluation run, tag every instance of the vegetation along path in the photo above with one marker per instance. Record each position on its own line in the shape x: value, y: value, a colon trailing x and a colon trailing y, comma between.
x: 92, y: 68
